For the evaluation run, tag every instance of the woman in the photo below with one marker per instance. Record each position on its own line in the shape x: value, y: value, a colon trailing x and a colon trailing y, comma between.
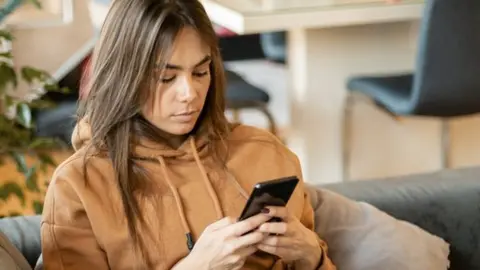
x: 159, y: 176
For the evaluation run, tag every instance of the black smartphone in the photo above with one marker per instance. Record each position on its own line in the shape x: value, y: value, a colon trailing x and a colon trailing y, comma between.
x: 270, y: 193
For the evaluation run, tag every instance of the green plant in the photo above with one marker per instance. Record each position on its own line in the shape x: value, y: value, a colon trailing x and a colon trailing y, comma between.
x: 17, y: 140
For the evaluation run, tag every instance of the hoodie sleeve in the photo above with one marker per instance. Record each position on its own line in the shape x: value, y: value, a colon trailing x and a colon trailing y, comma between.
x: 68, y: 241
x: 307, y: 220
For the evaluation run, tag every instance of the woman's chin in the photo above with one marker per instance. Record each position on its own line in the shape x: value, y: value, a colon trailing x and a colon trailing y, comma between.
x: 181, y: 128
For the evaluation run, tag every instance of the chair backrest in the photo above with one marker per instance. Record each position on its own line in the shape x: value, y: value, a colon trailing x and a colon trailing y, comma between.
x: 447, y: 78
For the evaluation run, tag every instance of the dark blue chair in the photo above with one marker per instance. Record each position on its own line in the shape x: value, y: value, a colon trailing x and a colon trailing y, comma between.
x: 274, y: 46
x: 243, y: 95
x: 446, y: 80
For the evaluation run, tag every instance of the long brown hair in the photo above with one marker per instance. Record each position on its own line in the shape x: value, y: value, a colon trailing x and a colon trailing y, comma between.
x: 135, y: 34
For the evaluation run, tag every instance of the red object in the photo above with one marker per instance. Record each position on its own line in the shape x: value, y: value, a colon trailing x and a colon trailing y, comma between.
x: 223, y: 32
x: 86, y: 69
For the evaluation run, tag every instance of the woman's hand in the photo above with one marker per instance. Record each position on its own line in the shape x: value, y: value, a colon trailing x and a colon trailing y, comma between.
x: 223, y: 244
x: 290, y: 240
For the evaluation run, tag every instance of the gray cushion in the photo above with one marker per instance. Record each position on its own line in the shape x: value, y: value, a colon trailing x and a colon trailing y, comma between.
x: 24, y: 234
x: 445, y: 204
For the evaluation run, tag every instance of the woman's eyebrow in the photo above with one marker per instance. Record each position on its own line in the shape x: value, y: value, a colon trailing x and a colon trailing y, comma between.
x: 201, y: 62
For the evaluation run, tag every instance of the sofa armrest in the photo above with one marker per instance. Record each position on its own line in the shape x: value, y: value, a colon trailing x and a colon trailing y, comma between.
x: 446, y: 204
x: 10, y: 257
x: 24, y: 233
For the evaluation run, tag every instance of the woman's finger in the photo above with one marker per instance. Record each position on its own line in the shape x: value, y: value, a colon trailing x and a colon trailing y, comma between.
x: 281, y: 252
x: 238, y: 258
x: 278, y: 211
x: 274, y: 228
x: 222, y: 223
x: 248, y: 240
x: 247, y: 225
x: 278, y: 241
x: 247, y: 251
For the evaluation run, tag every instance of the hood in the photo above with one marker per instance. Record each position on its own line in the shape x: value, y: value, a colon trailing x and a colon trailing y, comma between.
x: 146, y: 149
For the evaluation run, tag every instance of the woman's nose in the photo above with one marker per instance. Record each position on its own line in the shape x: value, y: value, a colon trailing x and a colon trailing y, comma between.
x: 185, y: 90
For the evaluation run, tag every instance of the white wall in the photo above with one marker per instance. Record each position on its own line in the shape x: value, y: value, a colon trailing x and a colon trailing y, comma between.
x: 48, y: 48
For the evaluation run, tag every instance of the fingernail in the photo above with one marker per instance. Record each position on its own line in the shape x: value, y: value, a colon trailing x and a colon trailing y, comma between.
x: 265, y: 210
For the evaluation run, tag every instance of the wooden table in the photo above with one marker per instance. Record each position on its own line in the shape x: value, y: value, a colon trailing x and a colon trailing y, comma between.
x: 328, y: 41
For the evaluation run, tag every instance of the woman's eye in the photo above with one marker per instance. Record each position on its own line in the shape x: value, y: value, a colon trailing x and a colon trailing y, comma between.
x: 200, y: 74
x: 167, y: 80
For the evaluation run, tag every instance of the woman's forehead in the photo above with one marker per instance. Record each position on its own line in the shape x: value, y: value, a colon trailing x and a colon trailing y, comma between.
x: 188, y: 49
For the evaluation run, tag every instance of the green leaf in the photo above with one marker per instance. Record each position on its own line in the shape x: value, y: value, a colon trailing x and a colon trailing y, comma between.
x: 45, y: 161
x: 31, y: 74
x: 12, y: 188
x: 42, y: 104
x: 24, y: 115
x: 43, y: 143
x: 7, y: 75
x: 20, y: 162
x: 37, y: 207
x: 16, y: 137
x: 6, y: 35
x: 14, y: 214
x: 6, y: 55
x: 53, y: 87
x: 36, y: 3
x: 32, y: 179
x: 8, y: 101
x: 65, y: 90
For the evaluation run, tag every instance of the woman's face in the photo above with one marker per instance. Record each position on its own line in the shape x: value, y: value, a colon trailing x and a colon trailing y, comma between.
x: 182, y: 86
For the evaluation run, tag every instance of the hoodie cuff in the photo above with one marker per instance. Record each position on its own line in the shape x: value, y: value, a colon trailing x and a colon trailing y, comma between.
x: 322, y: 260
x: 325, y: 263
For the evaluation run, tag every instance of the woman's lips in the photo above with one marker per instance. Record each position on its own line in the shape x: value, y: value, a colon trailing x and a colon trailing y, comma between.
x: 185, y: 117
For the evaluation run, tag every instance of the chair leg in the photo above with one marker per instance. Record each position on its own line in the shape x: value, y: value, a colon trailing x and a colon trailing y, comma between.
x: 347, y: 135
x: 263, y: 109
x: 271, y: 120
x: 445, y: 141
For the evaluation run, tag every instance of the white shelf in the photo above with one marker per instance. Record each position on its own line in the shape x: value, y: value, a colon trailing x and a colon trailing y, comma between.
x: 256, y: 16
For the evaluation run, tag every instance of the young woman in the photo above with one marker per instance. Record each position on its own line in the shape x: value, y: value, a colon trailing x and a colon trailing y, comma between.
x: 159, y: 175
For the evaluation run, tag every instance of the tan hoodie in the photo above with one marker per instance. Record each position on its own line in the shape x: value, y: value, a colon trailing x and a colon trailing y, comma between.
x: 84, y: 226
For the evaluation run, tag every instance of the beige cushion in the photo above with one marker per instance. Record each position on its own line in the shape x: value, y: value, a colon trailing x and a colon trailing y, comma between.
x: 10, y: 257
x: 361, y: 237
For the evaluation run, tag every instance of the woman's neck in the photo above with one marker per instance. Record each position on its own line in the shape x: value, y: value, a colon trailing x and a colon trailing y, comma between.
x: 147, y: 129
x: 174, y: 141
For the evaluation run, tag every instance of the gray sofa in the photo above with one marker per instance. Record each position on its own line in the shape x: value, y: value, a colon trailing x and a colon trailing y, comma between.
x: 446, y: 204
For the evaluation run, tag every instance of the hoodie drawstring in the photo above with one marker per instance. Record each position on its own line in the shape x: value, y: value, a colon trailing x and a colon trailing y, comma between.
x: 176, y: 195
x: 178, y: 202
x: 211, y: 191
